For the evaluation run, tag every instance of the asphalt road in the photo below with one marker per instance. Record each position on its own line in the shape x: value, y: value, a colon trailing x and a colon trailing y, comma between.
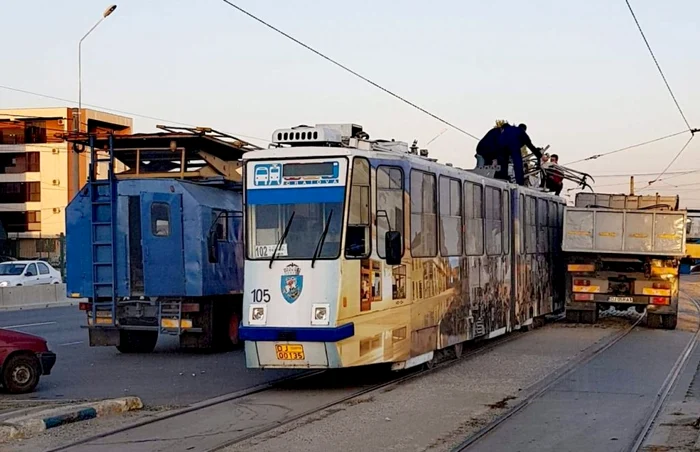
x: 166, y: 377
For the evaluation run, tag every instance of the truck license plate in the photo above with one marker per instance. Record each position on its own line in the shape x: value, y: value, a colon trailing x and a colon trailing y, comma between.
x: 290, y: 352
x: 621, y: 299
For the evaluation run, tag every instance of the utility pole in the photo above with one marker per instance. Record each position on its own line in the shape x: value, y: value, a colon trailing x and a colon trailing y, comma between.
x: 631, y: 185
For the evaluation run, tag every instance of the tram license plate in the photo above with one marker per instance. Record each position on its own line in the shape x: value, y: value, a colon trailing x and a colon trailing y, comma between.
x: 290, y: 352
x: 621, y: 299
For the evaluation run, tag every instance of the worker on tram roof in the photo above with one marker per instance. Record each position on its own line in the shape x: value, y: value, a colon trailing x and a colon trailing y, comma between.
x: 512, y: 139
x: 488, y: 148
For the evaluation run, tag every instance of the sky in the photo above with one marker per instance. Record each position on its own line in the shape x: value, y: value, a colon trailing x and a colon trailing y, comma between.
x: 577, y: 73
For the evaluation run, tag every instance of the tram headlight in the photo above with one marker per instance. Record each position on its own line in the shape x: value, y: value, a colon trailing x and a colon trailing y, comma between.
x: 257, y: 315
x: 320, y: 314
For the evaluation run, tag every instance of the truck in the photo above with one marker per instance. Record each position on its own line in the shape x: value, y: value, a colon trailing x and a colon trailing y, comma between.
x: 624, y: 251
x: 154, y: 240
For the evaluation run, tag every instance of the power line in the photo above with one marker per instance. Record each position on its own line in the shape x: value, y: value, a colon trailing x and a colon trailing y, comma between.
x: 340, y: 65
x: 673, y: 160
x: 658, y: 66
x: 596, y: 156
x: 114, y: 110
x: 676, y: 173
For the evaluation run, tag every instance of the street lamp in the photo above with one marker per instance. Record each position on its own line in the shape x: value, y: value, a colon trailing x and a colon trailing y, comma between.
x: 75, y: 167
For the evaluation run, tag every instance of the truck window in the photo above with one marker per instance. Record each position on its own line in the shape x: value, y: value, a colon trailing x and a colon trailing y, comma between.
x: 160, y: 219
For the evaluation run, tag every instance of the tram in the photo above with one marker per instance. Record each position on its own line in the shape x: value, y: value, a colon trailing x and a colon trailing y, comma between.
x: 363, y: 252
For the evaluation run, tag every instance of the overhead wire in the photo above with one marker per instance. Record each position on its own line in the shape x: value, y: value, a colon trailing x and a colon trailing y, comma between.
x: 597, y: 156
x: 658, y: 66
x: 670, y: 91
x: 356, y: 74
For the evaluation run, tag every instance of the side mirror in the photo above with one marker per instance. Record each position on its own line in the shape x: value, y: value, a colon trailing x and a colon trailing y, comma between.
x: 211, y: 248
x: 392, y: 244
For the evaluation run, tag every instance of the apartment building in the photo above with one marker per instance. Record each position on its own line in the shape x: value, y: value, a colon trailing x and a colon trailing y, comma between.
x: 35, y: 174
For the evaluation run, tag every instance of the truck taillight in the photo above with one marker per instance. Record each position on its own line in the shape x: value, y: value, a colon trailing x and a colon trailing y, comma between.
x: 83, y: 306
x: 660, y: 300
x: 662, y: 285
x: 582, y: 282
x: 583, y: 297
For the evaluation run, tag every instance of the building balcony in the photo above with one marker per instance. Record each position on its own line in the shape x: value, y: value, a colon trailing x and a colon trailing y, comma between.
x: 28, y: 206
x: 21, y: 177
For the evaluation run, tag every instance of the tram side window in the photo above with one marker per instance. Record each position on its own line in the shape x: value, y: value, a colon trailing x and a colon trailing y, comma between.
x: 450, y: 217
x: 521, y: 225
x: 389, y: 205
x: 506, y: 221
x: 553, y: 231
x: 494, y: 221
x: 423, y: 215
x: 530, y: 226
x: 357, y: 240
x: 542, y: 226
x: 474, y: 212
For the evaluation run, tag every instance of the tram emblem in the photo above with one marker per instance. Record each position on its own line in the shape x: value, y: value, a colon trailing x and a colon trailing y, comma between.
x: 292, y: 282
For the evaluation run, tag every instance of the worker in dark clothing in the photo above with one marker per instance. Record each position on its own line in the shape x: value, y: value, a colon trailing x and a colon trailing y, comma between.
x: 488, y: 147
x: 512, y: 140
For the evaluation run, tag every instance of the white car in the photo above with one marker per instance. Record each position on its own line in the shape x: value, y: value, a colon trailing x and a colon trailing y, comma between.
x: 28, y: 273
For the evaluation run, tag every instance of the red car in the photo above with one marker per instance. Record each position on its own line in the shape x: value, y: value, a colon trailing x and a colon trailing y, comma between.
x: 23, y: 359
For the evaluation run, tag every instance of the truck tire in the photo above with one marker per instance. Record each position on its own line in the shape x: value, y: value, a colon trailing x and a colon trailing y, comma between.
x: 573, y: 316
x: 655, y: 321
x: 670, y: 321
x: 589, y: 317
x: 21, y: 374
x: 137, y: 341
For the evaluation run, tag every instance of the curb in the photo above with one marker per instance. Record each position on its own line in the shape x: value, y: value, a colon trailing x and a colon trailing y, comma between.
x: 33, y: 424
x: 22, y: 307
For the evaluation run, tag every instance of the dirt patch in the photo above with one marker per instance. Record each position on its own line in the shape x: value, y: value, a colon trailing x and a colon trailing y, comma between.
x: 501, y: 404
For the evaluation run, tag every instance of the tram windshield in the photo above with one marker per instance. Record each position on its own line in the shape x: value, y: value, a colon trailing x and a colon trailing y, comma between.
x: 301, y: 225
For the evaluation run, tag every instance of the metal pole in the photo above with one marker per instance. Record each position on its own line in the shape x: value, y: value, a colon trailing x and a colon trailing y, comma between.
x: 631, y: 185
x: 75, y: 165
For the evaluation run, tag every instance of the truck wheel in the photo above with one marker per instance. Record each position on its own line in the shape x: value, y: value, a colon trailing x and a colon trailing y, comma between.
x: 654, y: 321
x: 589, y: 317
x: 20, y: 374
x: 137, y: 341
x: 573, y: 316
x: 669, y: 321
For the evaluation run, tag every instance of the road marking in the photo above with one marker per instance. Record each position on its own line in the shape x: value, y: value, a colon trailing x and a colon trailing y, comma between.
x: 27, y: 325
x: 71, y: 343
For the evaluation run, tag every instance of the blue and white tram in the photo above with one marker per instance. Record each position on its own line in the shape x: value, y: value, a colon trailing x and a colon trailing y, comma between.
x: 363, y: 252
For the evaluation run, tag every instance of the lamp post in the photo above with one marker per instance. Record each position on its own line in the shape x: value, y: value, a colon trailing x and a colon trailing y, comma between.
x: 75, y: 166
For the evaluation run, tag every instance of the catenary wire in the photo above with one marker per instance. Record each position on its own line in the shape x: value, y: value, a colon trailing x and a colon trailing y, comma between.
x: 356, y: 74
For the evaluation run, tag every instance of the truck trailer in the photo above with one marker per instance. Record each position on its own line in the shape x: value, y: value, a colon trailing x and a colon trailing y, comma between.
x: 624, y: 251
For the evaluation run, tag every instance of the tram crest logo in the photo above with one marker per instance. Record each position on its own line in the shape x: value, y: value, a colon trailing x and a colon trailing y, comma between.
x: 292, y: 282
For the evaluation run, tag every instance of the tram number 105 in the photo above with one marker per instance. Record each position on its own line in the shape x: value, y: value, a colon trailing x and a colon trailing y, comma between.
x: 290, y: 352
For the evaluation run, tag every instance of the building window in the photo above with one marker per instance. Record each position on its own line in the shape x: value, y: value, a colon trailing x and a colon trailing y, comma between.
x: 160, y: 219
x: 357, y: 240
x: 474, y: 213
x: 389, y: 205
x: 423, y: 215
x: 450, y: 217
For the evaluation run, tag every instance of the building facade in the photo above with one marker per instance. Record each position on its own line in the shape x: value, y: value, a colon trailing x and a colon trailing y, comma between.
x: 35, y: 176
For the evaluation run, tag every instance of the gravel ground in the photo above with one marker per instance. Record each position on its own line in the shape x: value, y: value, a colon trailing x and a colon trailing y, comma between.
x: 433, y: 412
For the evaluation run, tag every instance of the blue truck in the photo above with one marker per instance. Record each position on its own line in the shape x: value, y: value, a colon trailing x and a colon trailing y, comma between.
x: 154, y: 240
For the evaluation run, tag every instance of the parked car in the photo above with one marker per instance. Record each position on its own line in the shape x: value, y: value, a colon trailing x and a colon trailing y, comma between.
x: 23, y: 359
x: 28, y: 273
x: 4, y: 258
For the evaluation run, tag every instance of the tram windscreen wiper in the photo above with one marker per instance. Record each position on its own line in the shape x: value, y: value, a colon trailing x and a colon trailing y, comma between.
x: 322, y: 240
x: 284, y: 236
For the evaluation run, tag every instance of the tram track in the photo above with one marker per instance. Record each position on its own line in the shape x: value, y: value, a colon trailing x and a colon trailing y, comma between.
x: 448, y: 359
x: 558, y: 376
